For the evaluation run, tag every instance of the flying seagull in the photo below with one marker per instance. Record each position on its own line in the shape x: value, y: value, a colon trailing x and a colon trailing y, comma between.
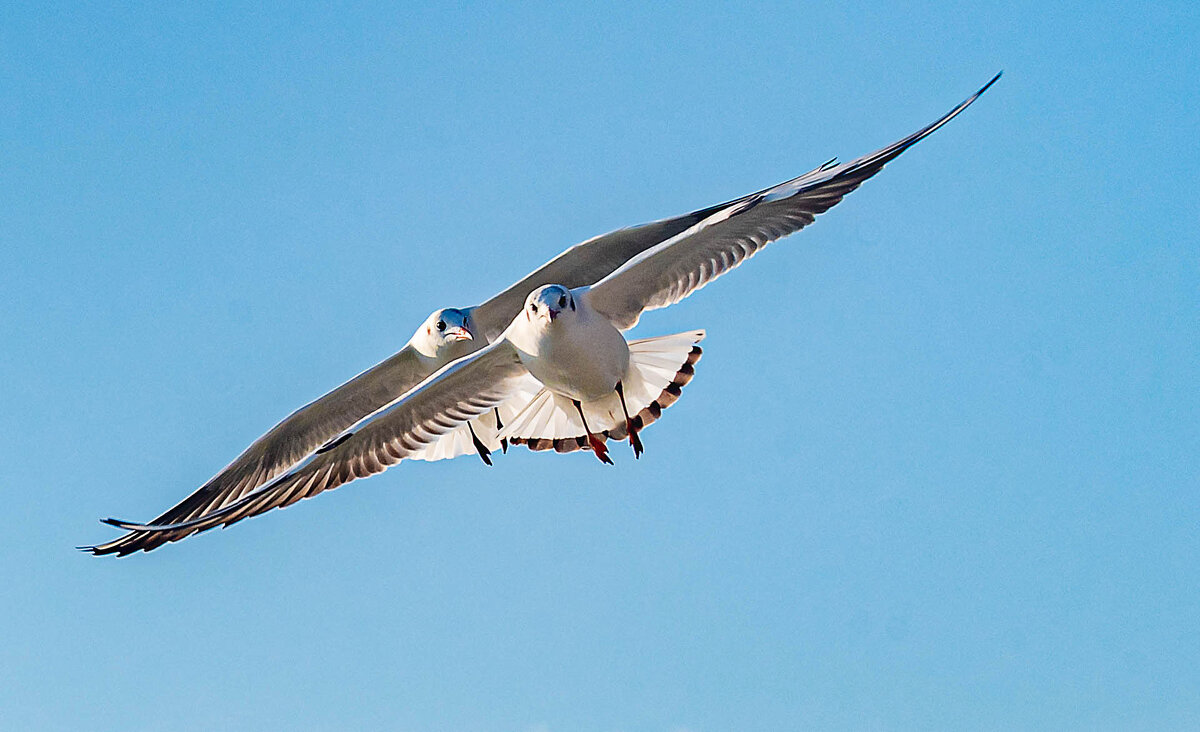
x: 568, y: 339
x: 730, y: 232
x: 447, y: 334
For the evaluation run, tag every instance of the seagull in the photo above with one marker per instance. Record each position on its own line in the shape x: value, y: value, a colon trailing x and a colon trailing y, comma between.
x: 447, y: 334
x: 568, y: 339
x: 634, y: 270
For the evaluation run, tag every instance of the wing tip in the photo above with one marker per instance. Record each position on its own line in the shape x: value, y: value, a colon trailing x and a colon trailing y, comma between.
x: 112, y: 547
x: 993, y: 80
x: 917, y: 137
x: 891, y: 152
x: 122, y: 524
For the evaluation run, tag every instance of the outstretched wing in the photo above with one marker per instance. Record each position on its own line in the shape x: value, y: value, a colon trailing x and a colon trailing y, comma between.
x: 459, y: 392
x: 670, y: 271
x: 291, y: 440
x: 595, y: 259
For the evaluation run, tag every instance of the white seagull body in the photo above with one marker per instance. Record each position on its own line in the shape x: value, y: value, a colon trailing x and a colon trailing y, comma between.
x: 578, y: 354
x: 392, y: 411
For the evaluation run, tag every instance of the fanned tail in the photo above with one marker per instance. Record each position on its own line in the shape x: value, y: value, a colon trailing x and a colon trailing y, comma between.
x: 659, y: 368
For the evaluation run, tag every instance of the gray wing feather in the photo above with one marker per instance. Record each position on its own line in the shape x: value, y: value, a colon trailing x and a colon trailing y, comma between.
x: 670, y: 271
x: 593, y: 260
x: 286, y: 444
x: 459, y: 392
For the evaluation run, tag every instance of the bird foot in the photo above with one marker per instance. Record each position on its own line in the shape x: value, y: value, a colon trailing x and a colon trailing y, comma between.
x: 484, y: 453
x: 600, y: 449
x: 634, y: 440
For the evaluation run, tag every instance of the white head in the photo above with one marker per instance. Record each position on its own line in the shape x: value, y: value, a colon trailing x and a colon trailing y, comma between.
x: 445, y: 335
x: 550, y: 304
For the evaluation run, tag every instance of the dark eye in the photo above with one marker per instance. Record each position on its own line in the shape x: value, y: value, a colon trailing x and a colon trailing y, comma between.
x: 562, y: 301
x: 533, y: 306
x: 441, y: 325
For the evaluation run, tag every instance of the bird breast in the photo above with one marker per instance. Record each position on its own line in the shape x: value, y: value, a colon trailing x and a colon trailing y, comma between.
x: 581, y: 359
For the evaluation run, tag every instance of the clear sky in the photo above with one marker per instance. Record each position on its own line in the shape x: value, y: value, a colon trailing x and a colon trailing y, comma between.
x: 938, y: 468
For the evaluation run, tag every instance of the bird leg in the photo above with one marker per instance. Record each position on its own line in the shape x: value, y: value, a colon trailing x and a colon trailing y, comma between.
x: 480, y: 448
x: 634, y: 440
x: 596, y: 443
x: 500, y: 426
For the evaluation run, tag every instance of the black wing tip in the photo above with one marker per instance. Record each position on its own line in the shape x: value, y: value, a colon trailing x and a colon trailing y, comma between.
x: 993, y: 80
x: 954, y: 112
x: 893, y: 151
x: 120, y: 524
x: 875, y: 161
x: 100, y: 550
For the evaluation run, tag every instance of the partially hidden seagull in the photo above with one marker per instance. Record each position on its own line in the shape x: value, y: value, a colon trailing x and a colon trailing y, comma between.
x: 388, y: 413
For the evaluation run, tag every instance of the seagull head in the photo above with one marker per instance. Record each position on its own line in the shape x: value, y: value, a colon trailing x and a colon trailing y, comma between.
x: 445, y: 334
x: 549, y: 304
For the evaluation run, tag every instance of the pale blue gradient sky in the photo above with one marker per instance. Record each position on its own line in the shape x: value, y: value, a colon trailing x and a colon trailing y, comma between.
x: 938, y: 468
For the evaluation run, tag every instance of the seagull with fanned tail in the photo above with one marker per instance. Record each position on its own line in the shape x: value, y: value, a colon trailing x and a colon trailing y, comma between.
x: 492, y: 358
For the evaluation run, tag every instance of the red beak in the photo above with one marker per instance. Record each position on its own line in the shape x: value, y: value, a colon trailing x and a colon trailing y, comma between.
x: 458, y: 334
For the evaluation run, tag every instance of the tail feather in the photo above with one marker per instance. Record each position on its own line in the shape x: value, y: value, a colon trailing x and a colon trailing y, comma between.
x: 668, y: 396
x: 659, y: 368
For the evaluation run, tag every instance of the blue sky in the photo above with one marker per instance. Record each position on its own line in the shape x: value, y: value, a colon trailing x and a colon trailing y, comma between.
x: 938, y: 468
